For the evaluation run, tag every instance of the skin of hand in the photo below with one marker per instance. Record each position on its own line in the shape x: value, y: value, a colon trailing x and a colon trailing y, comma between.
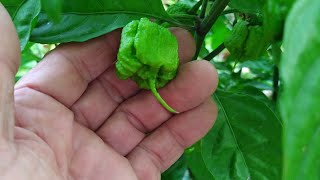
x: 71, y: 118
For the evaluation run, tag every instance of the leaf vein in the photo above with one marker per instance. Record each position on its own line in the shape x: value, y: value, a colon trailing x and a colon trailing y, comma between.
x: 233, y: 134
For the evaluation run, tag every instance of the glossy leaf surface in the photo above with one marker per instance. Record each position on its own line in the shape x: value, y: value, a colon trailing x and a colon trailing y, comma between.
x: 244, y: 143
x: 301, y: 94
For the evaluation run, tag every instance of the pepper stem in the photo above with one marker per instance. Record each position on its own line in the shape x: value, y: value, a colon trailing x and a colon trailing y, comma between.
x: 152, y: 85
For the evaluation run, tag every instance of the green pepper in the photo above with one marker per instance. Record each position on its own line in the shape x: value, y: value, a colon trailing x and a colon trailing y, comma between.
x: 180, y: 12
x: 148, y: 54
x: 235, y: 43
x: 256, y: 44
x: 178, y: 8
x: 246, y: 42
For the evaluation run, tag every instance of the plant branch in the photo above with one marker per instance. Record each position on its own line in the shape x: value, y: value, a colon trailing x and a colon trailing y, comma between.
x: 215, y: 52
x: 216, y: 10
x: 195, y: 8
x: 204, y: 27
x: 203, y: 9
x: 199, y: 42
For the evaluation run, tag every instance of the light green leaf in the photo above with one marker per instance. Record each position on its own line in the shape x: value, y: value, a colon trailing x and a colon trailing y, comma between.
x: 218, y: 33
x: 25, y: 18
x: 300, y: 99
x: 28, y: 61
x: 244, y: 143
x: 188, y: 2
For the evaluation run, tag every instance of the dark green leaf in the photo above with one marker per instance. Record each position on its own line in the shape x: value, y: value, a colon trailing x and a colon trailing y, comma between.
x: 262, y: 85
x: 83, y: 20
x: 25, y: 19
x: 52, y: 8
x: 74, y: 27
x: 178, y: 171
x: 244, y: 143
x: 259, y: 66
x: 12, y: 5
x: 252, y: 6
x: 301, y: 91
x: 197, y: 162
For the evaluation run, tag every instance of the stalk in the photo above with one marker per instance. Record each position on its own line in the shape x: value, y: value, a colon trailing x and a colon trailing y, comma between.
x: 152, y: 86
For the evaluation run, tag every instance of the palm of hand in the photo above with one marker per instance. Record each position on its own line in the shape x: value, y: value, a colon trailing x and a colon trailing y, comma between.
x: 75, y: 120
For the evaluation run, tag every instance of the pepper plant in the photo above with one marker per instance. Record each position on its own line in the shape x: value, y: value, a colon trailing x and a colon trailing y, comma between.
x: 268, y: 59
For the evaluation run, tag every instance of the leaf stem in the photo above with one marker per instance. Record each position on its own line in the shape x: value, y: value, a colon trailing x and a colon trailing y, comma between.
x: 215, y: 52
x: 152, y: 86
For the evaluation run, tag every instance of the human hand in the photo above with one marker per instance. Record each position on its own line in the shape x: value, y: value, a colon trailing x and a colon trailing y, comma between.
x: 72, y: 118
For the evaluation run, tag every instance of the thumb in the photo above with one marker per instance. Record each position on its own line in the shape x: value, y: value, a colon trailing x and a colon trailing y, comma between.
x: 9, y: 63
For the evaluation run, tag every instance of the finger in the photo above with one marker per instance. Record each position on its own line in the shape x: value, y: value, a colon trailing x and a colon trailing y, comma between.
x: 142, y: 113
x: 106, y: 92
x: 9, y: 63
x: 64, y: 74
x: 187, y: 45
x: 163, y: 147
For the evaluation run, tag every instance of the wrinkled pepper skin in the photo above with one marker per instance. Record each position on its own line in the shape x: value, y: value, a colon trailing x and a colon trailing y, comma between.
x: 178, y: 8
x: 148, y: 54
x: 246, y: 42
x: 235, y: 43
x: 256, y: 43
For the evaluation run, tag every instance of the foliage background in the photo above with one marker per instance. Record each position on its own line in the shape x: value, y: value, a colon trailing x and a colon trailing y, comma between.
x: 257, y: 134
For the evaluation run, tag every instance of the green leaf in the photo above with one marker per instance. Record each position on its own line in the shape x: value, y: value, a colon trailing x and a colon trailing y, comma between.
x: 12, y: 5
x: 178, y: 171
x: 262, y: 85
x: 259, y: 66
x: 79, y: 28
x: 28, y: 61
x: 25, y: 19
x: 203, y: 51
x: 53, y: 9
x: 82, y: 20
x: 245, y: 142
x: 188, y: 2
x: 197, y: 161
x: 252, y: 6
x: 299, y: 103
x: 218, y: 33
